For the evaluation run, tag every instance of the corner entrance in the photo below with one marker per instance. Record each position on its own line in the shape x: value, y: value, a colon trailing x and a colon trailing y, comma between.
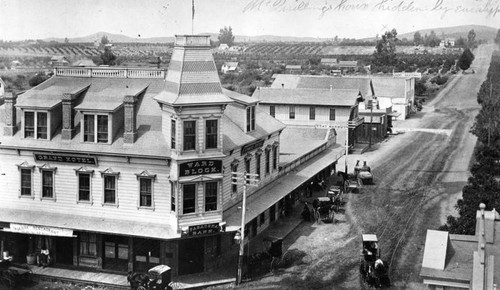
x: 191, y: 252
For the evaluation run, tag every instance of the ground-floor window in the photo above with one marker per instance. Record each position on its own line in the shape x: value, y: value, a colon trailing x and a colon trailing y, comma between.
x: 88, y: 244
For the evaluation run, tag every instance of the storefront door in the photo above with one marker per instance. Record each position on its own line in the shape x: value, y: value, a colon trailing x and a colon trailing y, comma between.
x: 64, y: 251
x: 115, y: 253
x: 146, y: 254
x: 191, y: 252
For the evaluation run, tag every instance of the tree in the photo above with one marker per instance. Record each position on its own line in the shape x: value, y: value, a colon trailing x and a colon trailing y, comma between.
x: 104, y: 40
x: 107, y: 57
x: 465, y: 59
x: 66, y: 40
x: 226, y: 36
x: 471, y: 39
x: 385, y: 53
x: 38, y: 79
x: 417, y: 38
x: 497, y: 38
x: 432, y: 40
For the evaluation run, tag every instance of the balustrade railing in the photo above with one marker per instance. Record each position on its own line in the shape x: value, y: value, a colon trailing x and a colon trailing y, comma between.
x: 101, y: 72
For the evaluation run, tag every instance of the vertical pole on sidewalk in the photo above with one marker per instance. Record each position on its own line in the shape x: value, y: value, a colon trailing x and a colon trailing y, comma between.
x: 242, y: 242
x: 346, y: 146
x: 371, y: 124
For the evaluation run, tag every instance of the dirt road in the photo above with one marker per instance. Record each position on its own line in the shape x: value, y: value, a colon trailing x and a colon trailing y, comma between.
x: 418, y: 175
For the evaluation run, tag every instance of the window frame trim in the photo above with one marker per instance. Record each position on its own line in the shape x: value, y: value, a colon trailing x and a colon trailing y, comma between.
x: 90, y: 172
x: 195, y: 199
x: 184, y: 135
x: 43, y: 168
x: 35, y: 123
x: 96, y: 126
x: 145, y: 175
x: 25, y: 166
x: 216, y: 196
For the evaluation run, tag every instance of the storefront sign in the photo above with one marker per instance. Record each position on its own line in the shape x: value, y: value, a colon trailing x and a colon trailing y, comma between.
x: 254, y: 145
x: 52, y: 157
x: 200, y: 167
x: 39, y: 230
x: 205, y: 229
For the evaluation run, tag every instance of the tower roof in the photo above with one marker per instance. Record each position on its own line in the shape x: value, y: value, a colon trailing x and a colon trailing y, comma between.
x: 192, y: 77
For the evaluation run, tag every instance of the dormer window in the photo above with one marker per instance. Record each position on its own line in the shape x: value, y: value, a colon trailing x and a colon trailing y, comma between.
x: 35, y: 125
x: 95, y: 128
x: 250, y: 118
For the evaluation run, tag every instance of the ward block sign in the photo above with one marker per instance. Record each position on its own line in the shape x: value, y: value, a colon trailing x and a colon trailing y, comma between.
x: 200, y: 167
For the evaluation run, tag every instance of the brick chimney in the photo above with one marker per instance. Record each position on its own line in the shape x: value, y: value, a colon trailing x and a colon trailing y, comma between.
x: 130, y: 130
x: 68, y: 102
x: 10, y: 114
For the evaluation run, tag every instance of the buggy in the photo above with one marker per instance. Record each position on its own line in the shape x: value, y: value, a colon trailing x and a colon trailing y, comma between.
x: 336, y: 194
x: 323, y: 209
x: 373, y: 270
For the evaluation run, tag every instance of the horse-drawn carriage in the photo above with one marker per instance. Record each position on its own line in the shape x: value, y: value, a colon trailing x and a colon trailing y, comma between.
x: 373, y: 270
x: 157, y: 278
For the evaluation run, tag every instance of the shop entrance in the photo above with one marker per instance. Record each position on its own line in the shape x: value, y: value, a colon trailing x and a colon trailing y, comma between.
x: 64, y: 251
x: 191, y: 252
x: 115, y: 253
x: 146, y: 254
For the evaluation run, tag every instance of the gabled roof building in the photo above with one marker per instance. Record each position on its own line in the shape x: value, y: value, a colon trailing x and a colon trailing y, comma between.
x: 122, y: 169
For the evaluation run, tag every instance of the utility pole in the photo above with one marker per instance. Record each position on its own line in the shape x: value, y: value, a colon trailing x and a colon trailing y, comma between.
x: 247, y: 179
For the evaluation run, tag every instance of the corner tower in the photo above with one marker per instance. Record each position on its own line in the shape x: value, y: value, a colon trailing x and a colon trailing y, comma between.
x: 192, y: 100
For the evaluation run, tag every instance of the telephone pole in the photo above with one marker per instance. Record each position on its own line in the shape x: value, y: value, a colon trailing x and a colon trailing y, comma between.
x: 246, y: 179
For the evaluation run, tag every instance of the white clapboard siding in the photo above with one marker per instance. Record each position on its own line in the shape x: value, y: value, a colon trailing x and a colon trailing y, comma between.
x: 66, y: 188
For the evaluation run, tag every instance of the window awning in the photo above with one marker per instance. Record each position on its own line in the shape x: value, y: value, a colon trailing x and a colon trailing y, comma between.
x: 39, y: 230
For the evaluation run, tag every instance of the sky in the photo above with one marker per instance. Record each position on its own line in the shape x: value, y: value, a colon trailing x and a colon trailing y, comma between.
x: 39, y: 19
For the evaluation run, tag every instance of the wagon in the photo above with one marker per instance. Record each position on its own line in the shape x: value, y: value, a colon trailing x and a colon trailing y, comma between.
x: 373, y: 270
x: 323, y: 209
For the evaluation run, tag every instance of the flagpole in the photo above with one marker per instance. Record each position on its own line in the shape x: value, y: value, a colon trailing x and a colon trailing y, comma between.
x: 192, y: 19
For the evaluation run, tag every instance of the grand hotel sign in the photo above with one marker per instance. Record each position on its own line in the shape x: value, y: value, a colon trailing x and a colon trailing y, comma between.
x: 200, y: 167
x: 65, y: 158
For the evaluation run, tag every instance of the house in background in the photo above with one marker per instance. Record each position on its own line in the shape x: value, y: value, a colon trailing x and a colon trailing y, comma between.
x: 293, y: 68
x: 2, y: 88
x: 395, y: 92
x: 347, y: 66
x: 316, y: 108
x: 463, y: 261
x: 84, y: 62
x: 59, y: 60
x: 230, y: 67
x: 330, y: 62
x: 223, y: 46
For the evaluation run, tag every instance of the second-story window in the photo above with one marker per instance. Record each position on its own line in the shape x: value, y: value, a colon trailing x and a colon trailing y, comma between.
x: 95, y: 128
x: 250, y: 118
x: 332, y: 114
x: 145, y: 192
x: 257, y: 164
x: 275, y: 157
x: 26, y: 181
x: 210, y: 196
x: 172, y: 194
x: 189, y: 198
x: 272, y: 111
x: 35, y: 124
x: 47, y: 184
x: 268, y: 161
x: 211, y: 134
x: 173, y: 134
x: 312, y: 113
x: 291, y: 113
x: 189, y: 135
x: 84, y: 187
x: 109, y: 189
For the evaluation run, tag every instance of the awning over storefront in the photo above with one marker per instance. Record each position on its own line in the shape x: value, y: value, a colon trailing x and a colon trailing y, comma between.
x: 46, y: 223
x: 38, y: 230
x: 261, y: 200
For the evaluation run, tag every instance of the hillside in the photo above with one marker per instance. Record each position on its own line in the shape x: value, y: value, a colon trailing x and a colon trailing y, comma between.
x: 482, y: 32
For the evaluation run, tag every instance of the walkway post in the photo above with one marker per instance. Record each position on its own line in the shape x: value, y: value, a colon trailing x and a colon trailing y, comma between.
x: 248, y: 179
x: 346, y: 146
x: 242, y: 242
